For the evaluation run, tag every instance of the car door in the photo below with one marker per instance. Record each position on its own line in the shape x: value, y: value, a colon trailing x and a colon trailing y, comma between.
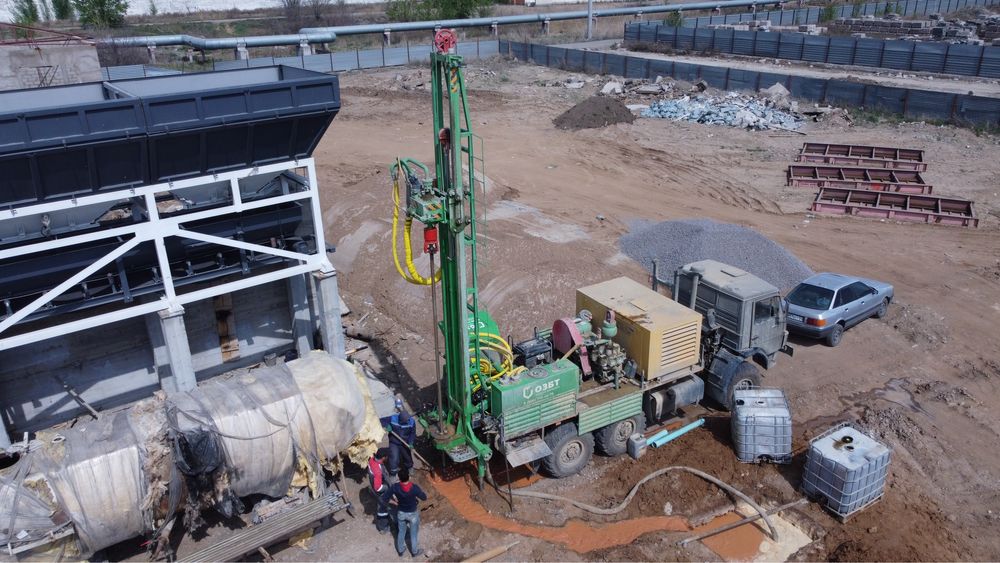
x: 861, y: 303
x: 767, y: 332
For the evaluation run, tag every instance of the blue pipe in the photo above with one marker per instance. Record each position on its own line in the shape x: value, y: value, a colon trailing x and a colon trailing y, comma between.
x: 663, y: 437
x: 330, y: 34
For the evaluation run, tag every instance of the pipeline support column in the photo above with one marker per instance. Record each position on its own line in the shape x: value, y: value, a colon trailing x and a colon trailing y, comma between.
x: 298, y: 302
x: 171, y: 350
x: 327, y: 297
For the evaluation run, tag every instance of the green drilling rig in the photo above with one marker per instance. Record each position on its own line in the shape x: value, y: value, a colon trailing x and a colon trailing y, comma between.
x: 629, y: 356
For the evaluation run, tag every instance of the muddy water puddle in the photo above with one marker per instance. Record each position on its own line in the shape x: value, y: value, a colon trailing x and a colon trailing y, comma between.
x: 750, y: 542
x: 576, y: 535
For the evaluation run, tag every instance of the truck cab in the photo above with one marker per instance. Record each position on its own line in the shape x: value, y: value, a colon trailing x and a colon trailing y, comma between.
x: 743, y: 323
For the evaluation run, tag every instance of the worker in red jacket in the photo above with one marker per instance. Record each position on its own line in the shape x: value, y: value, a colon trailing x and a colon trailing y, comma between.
x: 378, y: 479
x: 406, y: 495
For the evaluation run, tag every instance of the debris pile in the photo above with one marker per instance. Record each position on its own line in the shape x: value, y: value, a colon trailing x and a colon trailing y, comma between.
x: 592, y: 113
x: 733, y: 110
x: 675, y: 243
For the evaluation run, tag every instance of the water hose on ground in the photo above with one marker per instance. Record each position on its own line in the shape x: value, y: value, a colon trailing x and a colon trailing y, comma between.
x: 772, y: 531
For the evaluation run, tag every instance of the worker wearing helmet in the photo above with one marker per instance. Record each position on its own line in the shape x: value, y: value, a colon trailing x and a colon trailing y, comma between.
x: 402, y: 429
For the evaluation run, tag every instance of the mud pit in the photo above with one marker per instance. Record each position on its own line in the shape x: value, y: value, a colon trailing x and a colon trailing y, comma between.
x: 924, y: 378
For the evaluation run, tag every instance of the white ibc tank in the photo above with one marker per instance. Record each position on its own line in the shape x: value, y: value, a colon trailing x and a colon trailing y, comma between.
x: 761, y: 426
x: 847, y: 469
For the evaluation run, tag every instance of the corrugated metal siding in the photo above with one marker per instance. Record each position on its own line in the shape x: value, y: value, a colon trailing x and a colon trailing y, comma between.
x: 898, y: 54
x: 743, y: 42
x: 990, y: 66
x: 519, y: 421
x: 765, y: 44
x: 868, y: 52
x: 704, y: 39
x: 929, y: 57
x: 964, y: 59
x: 613, y: 411
x: 814, y: 48
x: 790, y: 45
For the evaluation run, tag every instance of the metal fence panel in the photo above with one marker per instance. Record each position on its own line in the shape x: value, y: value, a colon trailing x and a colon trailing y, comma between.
x: 807, y: 88
x: 932, y: 105
x: 468, y: 49
x: 990, y: 65
x: 743, y: 79
x: 574, y: 60
x: 123, y: 72
x: 897, y: 54
x: 370, y: 58
x: 845, y: 94
x: 704, y: 39
x: 685, y: 39
x: 593, y: 62
x: 666, y: 34
x: 489, y: 49
x: 317, y: 63
x: 724, y: 41
x: 929, y: 57
x: 557, y: 57
x: 635, y: 68
x: 395, y: 56
x: 977, y: 109
x: 614, y: 64
x: 261, y: 61
x: 815, y: 48
x: 963, y: 59
x: 790, y: 45
x: 868, y: 52
x: 743, y: 43
x: 886, y: 98
x: 765, y: 44
x: 715, y: 76
x: 661, y: 68
x: 420, y: 53
x: 289, y: 61
x: 686, y: 71
x: 229, y: 65
x: 346, y: 60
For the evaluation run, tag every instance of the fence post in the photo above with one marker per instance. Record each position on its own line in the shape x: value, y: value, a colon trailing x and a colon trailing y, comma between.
x: 906, y: 101
x: 979, y: 67
x: 357, y: 54
x: 726, y: 83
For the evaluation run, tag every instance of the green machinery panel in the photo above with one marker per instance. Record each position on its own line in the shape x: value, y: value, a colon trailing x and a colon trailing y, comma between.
x: 612, y: 411
x: 545, y: 394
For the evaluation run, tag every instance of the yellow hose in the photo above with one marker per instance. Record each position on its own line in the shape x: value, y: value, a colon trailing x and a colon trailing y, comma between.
x: 413, y: 276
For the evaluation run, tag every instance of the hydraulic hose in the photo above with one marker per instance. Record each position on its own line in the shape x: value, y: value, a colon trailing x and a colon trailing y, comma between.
x: 772, y: 531
x: 411, y: 274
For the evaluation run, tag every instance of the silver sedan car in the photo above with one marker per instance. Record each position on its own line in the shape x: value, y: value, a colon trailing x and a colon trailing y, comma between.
x: 826, y: 305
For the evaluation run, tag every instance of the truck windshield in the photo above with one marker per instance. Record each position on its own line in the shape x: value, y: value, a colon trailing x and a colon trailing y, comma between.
x: 811, y: 297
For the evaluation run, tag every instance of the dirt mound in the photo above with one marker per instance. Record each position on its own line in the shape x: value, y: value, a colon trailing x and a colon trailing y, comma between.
x: 593, y: 113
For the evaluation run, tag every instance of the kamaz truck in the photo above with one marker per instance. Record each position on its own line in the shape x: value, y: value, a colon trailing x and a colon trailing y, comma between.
x: 627, y: 356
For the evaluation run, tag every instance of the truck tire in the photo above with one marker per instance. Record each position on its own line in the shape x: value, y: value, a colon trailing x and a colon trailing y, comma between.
x: 612, y: 440
x: 833, y: 339
x: 570, y: 452
x: 746, y: 376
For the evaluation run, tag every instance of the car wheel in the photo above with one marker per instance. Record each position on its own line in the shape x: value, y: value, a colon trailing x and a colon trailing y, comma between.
x: 612, y: 440
x: 883, y: 308
x: 833, y: 339
x: 747, y: 376
x: 570, y: 452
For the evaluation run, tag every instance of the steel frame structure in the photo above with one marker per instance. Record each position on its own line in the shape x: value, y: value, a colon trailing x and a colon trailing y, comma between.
x: 156, y: 229
x: 865, y: 156
x: 871, y: 179
x: 902, y: 207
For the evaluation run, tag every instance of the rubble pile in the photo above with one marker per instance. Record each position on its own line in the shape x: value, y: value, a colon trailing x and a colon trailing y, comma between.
x: 733, y: 110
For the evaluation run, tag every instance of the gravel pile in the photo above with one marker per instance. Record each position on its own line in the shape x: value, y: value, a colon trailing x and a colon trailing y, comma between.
x: 675, y: 243
x: 734, y: 110
x: 592, y: 113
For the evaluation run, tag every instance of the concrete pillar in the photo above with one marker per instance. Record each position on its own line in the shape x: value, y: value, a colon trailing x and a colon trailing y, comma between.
x: 305, y: 49
x: 151, y: 49
x: 177, y: 352
x: 241, y: 53
x: 387, y: 37
x: 298, y: 301
x: 545, y: 26
x: 495, y: 29
x: 328, y: 305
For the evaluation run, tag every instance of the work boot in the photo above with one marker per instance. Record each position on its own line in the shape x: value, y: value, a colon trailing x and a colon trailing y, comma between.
x: 418, y: 553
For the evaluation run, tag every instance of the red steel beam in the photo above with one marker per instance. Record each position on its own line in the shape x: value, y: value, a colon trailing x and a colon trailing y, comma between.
x: 898, y: 206
x: 871, y: 179
x: 864, y: 151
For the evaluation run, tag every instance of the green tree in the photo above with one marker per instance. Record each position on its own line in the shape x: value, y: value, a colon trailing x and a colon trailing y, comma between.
x: 153, y: 10
x: 62, y: 9
x: 674, y: 19
x: 101, y: 13
x: 25, y: 12
x: 828, y: 13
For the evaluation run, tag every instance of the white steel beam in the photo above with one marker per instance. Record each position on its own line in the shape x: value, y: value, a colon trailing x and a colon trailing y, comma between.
x: 221, y: 241
x: 153, y: 189
x: 61, y: 288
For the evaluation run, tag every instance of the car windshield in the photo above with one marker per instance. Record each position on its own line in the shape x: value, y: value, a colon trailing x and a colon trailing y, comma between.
x: 811, y: 297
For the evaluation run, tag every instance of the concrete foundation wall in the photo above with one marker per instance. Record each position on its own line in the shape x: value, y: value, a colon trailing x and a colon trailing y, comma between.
x: 23, y: 66
x: 114, y: 364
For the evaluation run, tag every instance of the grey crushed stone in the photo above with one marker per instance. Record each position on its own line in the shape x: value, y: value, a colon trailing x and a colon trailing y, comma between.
x: 675, y: 243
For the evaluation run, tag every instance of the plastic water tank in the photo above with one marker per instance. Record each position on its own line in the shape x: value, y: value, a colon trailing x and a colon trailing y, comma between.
x: 847, y: 469
x: 761, y: 426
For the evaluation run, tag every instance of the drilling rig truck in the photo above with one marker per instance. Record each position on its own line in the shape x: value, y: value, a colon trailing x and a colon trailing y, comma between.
x: 628, y: 357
